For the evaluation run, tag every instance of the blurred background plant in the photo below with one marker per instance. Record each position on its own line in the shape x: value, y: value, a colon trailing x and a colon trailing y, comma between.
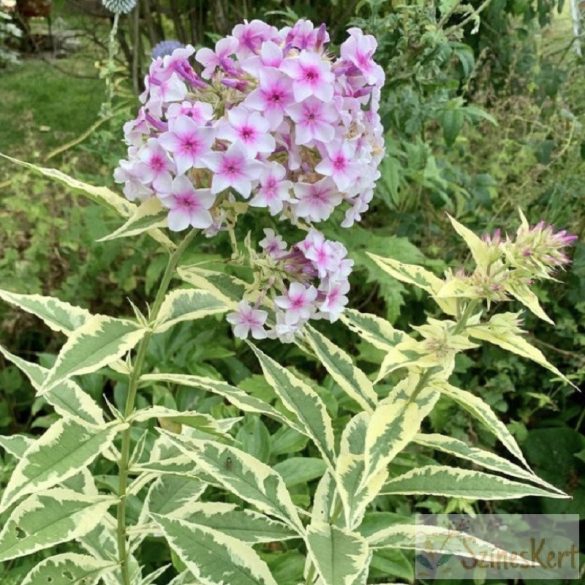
x: 483, y: 110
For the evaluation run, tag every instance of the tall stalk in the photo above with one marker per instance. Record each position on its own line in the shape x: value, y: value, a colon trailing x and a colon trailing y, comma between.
x: 133, y: 381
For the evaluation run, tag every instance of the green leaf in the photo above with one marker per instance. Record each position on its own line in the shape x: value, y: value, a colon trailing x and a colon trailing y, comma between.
x: 58, y: 315
x: 68, y: 569
x: 339, y: 555
x: 341, y: 368
x: 226, y: 288
x: 214, y: 557
x: 243, y: 475
x: 67, y: 398
x: 452, y: 121
x: 479, y: 457
x: 101, y: 195
x: 303, y: 402
x: 187, y: 305
x: 64, y: 449
x: 96, y: 344
x: 482, y: 412
x: 233, y: 395
x: 297, y: 470
x: 440, y: 540
x: 373, y: 329
x: 148, y: 215
x: 439, y: 480
x: 49, y: 518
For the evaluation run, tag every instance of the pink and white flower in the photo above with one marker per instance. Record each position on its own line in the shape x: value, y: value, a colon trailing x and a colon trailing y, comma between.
x: 273, y: 190
x: 249, y: 128
x: 188, y: 143
x: 272, y: 97
x: 339, y: 165
x: 297, y: 303
x: 272, y: 244
x: 314, y: 120
x: 233, y: 168
x: 316, y: 201
x: 311, y: 75
x: 220, y: 58
x: 248, y: 321
x: 188, y: 206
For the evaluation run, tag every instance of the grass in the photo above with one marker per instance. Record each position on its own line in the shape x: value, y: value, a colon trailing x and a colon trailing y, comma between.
x: 39, y: 100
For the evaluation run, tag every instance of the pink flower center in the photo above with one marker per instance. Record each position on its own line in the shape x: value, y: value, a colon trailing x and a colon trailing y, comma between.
x: 157, y: 163
x: 231, y: 167
x: 191, y: 145
x: 339, y: 162
x: 247, y: 133
x: 297, y: 302
x: 187, y: 202
x: 311, y: 74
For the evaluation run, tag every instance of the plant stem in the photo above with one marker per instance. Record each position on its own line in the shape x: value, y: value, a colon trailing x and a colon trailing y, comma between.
x: 133, y: 381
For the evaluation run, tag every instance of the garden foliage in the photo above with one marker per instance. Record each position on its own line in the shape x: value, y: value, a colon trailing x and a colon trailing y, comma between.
x: 299, y: 454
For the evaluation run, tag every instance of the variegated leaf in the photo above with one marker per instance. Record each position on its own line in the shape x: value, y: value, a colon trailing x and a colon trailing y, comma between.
x: 49, y: 518
x: 482, y: 411
x: 58, y: 315
x: 67, y: 398
x: 153, y: 576
x: 233, y: 395
x: 339, y: 554
x: 303, y: 402
x: 437, y: 539
x: 101, y: 543
x: 341, y: 368
x: 372, y: 328
x: 172, y: 495
x: 197, y: 420
x: 440, y: 480
x: 68, y: 569
x: 64, y: 449
x: 148, y: 215
x: 214, y: 557
x: 245, y: 525
x: 479, y: 249
x: 16, y: 445
x: 99, y: 342
x: 244, y: 475
x: 350, y: 471
x: 185, y: 578
x: 226, y: 288
x: 417, y: 276
x: 395, y: 422
x: 101, y: 195
x: 523, y: 293
x: 479, y: 457
x: 187, y: 305
x: 502, y: 329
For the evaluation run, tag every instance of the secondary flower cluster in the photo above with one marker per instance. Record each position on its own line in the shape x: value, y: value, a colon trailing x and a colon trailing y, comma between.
x: 271, y: 116
x: 508, y: 265
x: 307, y: 281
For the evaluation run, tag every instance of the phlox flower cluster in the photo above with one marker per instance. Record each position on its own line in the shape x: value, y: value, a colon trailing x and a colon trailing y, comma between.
x: 268, y: 116
x: 307, y: 281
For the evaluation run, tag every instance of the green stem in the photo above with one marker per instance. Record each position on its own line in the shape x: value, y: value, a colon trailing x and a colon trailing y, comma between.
x: 129, y: 407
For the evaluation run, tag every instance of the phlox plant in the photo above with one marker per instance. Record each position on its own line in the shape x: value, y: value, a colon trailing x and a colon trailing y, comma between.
x: 269, y: 119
